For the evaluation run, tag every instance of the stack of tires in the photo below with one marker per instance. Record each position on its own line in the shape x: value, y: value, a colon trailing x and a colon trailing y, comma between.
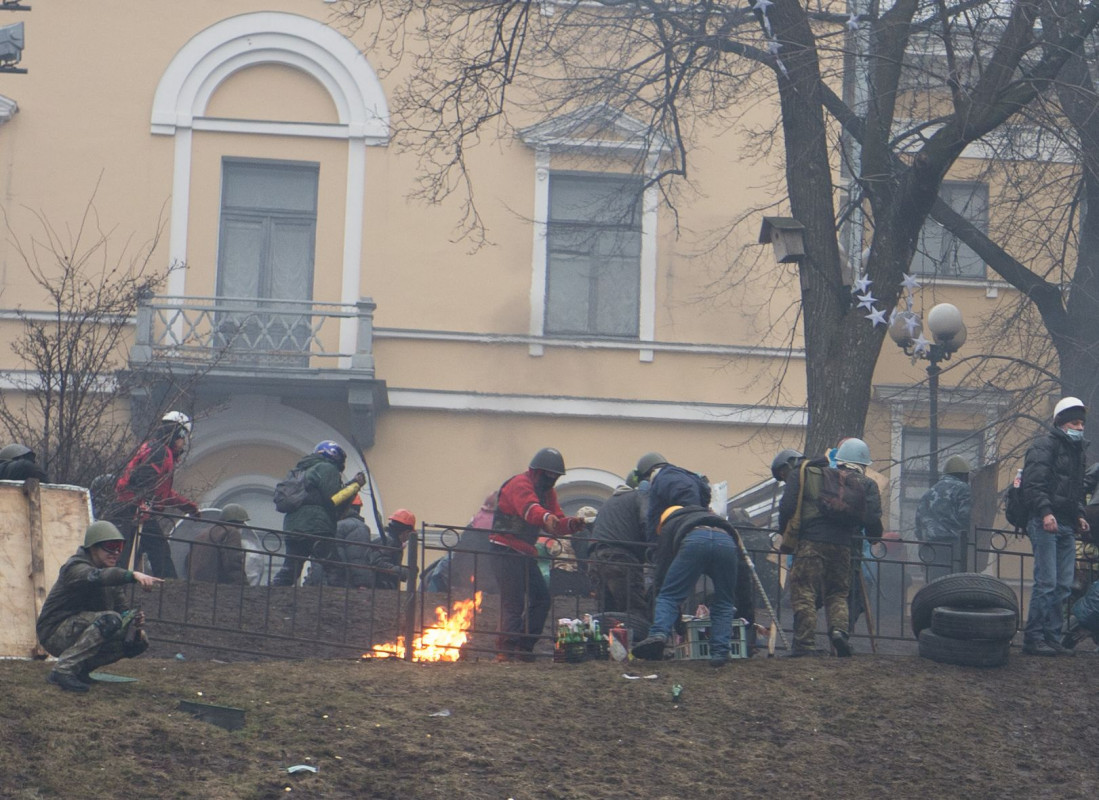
x: 966, y: 619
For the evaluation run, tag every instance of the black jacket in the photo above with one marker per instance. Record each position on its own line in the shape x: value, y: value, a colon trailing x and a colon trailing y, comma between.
x: 621, y: 524
x: 1053, y: 477
x: 675, y: 528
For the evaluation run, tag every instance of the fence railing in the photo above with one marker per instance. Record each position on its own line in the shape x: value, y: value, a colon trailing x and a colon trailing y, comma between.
x: 346, y: 607
x: 254, y: 332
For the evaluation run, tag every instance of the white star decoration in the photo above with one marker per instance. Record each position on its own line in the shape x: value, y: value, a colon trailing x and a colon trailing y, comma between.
x: 920, y: 344
x: 867, y: 301
x: 910, y: 282
x: 863, y: 284
x: 853, y: 22
x: 912, y: 324
x: 761, y: 6
x: 773, y: 47
x: 877, y: 316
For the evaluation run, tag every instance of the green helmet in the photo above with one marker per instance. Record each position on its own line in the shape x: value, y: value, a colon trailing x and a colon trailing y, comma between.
x: 14, y: 451
x: 234, y: 512
x: 956, y: 465
x: 102, y: 531
x: 648, y: 462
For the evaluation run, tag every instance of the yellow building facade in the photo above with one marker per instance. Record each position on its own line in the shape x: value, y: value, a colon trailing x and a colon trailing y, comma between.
x: 318, y: 302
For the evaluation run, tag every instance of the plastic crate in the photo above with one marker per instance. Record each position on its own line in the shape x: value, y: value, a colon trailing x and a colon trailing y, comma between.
x: 576, y: 652
x: 571, y: 653
x: 696, y: 645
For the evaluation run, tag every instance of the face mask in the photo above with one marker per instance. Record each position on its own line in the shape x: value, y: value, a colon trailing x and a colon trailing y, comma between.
x: 644, y: 486
x: 1075, y: 435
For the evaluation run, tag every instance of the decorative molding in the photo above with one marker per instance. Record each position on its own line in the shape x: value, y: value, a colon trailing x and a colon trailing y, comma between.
x: 593, y: 408
x: 8, y: 109
x: 541, y: 342
x: 596, y: 129
x: 268, y: 37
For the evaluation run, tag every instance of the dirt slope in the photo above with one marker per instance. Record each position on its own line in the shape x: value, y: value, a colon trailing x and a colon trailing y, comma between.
x: 867, y: 727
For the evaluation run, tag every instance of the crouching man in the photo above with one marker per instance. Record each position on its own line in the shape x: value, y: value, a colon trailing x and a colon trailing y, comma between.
x: 85, y: 620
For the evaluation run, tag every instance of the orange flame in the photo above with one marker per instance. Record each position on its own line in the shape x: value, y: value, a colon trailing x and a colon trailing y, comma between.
x: 440, y: 642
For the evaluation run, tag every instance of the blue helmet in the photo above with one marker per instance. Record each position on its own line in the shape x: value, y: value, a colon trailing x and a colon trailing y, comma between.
x: 333, y: 452
x: 853, y: 451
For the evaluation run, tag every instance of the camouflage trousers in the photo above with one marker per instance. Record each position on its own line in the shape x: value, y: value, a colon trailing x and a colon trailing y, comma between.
x: 821, y: 575
x: 93, y: 639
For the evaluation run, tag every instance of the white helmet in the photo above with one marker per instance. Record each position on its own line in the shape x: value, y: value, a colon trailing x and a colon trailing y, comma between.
x: 1066, y: 404
x: 179, y: 418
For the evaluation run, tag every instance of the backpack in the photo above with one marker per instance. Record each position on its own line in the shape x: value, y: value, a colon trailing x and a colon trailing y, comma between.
x: 291, y: 492
x: 840, y: 493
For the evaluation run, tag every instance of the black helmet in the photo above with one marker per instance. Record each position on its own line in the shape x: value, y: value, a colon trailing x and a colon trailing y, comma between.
x: 549, y: 460
x: 648, y: 462
x: 785, y: 458
x: 14, y: 451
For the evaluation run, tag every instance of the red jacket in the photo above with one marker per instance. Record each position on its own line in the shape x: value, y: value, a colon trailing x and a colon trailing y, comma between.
x: 521, y: 513
x: 147, y: 480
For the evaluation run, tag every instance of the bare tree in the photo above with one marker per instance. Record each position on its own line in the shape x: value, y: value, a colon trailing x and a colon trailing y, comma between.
x: 1048, y: 168
x: 895, y: 94
x: 70, y: 403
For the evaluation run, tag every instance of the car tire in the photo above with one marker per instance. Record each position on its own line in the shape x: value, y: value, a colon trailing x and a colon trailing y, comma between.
x: 962, y: 590
x: 964, y: 652
x: 974, y: 623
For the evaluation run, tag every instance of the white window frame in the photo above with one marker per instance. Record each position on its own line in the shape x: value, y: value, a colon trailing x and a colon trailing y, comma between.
x: 932, y: 227
x: 216, y: 53
x: 623, y: 140
x: 597, y: 184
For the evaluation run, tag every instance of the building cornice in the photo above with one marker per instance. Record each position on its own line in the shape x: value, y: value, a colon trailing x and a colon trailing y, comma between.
x: 8, y: 109
x: 592, y: 408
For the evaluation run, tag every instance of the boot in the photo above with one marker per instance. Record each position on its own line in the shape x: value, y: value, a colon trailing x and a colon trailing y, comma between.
x: 651, y: 648
x: 70, y: 683
x: 840, y: 643
x: 1074, y: 633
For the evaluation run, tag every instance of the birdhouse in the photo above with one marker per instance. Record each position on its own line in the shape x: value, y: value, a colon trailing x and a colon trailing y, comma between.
x: 786, y: 235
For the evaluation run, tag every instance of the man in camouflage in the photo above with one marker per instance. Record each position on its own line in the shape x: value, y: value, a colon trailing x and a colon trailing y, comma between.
x: 86, y: 621
x: 821, y: 574
x: 943, y: 516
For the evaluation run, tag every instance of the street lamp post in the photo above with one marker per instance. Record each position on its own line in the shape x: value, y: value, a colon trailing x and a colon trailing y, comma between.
x: 948, y: 333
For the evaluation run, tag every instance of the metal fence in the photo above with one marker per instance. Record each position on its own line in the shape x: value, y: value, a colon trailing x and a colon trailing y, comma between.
x: 449, y: 571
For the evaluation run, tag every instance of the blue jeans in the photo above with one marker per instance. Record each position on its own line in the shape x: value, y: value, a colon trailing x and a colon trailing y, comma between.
x: 704, y: 551
x: 1054, y: 563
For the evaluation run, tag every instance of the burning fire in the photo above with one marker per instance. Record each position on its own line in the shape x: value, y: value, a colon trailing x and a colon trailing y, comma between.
x: 440, y: 642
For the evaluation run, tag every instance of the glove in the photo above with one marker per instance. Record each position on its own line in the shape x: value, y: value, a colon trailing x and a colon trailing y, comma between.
x: 360, y: 478
x: 562, y: 526
x: 191, y: 509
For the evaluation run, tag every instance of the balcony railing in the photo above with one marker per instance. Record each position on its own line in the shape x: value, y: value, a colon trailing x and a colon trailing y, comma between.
x: 245, y: 333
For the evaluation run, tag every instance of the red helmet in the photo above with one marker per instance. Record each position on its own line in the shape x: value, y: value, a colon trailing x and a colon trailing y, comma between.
x: 404, y: 516
x: 357, y: 501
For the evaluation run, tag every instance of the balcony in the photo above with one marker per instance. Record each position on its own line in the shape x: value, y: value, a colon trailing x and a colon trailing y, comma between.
x: 215, y: 347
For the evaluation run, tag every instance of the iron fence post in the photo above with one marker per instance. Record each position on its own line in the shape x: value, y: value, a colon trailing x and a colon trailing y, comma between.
x: 412, y: 557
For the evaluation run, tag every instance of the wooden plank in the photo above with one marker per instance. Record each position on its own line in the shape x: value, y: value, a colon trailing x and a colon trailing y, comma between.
x: 33, y: 492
